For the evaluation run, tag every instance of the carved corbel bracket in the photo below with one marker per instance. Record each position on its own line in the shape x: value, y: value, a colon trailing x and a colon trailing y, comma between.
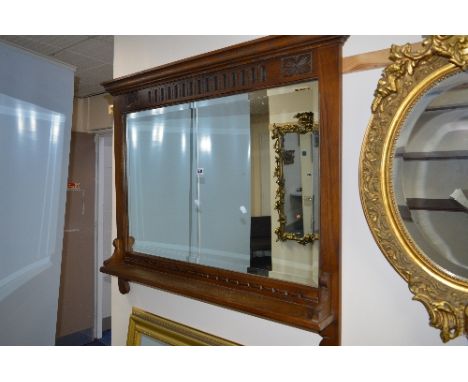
x: 124, y: 286
x: 118, y: 258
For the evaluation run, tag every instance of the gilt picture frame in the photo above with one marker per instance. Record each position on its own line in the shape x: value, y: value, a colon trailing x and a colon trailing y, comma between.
x: 148, y: 328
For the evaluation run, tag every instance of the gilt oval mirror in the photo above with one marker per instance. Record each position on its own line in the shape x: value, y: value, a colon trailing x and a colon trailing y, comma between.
x: 414, y: 175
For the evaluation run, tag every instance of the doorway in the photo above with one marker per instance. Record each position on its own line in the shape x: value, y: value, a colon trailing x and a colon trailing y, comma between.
x: 84, y: 298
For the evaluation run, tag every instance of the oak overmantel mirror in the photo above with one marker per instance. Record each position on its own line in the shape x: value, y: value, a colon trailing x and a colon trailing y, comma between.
x: 196, y: 181
x: 414, y: 175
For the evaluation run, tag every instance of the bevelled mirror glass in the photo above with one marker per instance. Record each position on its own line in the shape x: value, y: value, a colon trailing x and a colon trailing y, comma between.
x: 430, y: 174
x: 414, y: 175
x: 201, y: 185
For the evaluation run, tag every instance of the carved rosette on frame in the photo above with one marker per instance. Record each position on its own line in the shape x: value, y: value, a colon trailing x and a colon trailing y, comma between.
x: 403, y: 83
x: 296, y: 65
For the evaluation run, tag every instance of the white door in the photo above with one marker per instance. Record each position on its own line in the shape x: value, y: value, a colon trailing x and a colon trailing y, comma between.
x: 35, y: 122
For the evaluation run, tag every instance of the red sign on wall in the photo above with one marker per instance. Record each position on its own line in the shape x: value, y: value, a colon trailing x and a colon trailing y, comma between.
x: 73, y: 186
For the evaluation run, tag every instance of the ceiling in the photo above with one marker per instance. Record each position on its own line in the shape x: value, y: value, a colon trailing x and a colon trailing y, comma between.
x: 91, y: 55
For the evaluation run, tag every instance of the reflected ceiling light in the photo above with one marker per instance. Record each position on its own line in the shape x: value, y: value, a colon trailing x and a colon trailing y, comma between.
x: 183, y: 143
x: 55, y: 132
x: 157, y: 134
x: 33, y: 121
x: 205, y: 144
x: 20, y: 119
x: 134, y: 137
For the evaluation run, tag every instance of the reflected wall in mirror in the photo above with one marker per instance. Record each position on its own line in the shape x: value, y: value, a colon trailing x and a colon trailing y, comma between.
x: 430, y: 174
x: 200, y: 182
x: 297, y: 190
x: 414, y: 175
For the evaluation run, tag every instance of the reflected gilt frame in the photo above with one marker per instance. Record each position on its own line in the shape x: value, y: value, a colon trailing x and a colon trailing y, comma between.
x: 410, y: 75
x: 169, y: 332
x: 305, y: 125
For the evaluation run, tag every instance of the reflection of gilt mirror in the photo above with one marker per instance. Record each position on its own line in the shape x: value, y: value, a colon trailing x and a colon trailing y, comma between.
x: 414, y: 175
x: 296, y: 172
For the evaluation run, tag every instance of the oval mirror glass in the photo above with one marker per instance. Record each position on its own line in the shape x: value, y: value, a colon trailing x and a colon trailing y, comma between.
x: 430, y: 174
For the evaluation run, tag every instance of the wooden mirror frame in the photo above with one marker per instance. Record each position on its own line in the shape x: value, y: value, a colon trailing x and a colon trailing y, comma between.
x: 258, y: 64
x: 304, y: 125
x: 403, y: 83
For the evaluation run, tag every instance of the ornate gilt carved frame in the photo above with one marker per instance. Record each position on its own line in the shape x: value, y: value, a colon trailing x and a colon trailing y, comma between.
x: 402, y: 84
x: 305, y: 125
x: 169, y: 332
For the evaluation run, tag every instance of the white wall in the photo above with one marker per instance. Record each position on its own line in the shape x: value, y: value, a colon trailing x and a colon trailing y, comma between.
x: 91, y: 114
x: 377, y: 306
x: 135, y: 53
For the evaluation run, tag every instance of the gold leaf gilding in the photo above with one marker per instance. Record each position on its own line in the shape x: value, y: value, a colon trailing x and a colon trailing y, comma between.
x: 401, y: 84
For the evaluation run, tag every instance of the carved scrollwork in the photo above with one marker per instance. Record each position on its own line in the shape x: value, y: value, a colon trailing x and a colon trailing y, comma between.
x: 402, y: 84
x: 443, y: 315
x: 124, y: 286
x: 117, y: 257
x: 455, y: 48
x: 118, y: 253
x: 305, y: 125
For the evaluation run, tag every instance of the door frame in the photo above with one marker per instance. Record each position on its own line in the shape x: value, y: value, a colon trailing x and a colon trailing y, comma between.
x: 99, y: 230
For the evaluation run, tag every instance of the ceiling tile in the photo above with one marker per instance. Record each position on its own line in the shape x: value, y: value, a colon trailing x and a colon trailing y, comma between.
x: 101, y: 50
x: 104, y: 71
x: 27, y: 43
x: 60, y: 42
x: 91, y: 55
x: 80, y: 61
x: 109, y: 38
x: 85, y: 90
